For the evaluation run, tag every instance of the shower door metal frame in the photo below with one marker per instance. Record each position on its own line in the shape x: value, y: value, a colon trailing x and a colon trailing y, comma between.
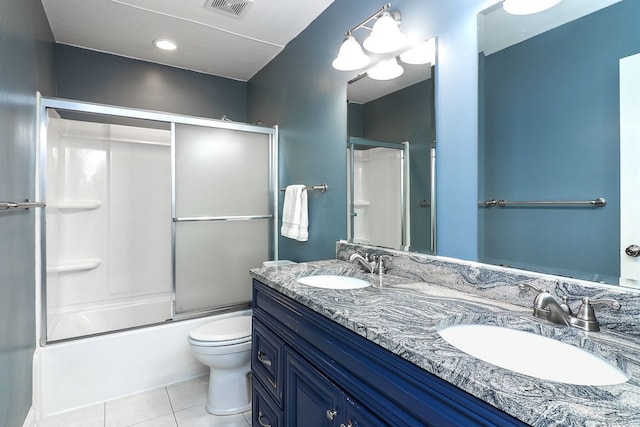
x: 45, y: 103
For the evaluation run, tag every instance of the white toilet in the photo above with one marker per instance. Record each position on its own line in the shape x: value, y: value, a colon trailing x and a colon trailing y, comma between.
x: 225, y: 347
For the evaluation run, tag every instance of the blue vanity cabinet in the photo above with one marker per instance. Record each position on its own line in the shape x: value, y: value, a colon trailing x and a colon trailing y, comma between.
x: 313, y: 400
x: 327, y: 375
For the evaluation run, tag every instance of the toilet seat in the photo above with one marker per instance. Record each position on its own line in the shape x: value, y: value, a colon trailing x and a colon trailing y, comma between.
x: 223, y: 332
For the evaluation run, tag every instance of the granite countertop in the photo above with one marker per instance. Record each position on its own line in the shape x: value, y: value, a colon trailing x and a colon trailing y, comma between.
x: 404, y: 316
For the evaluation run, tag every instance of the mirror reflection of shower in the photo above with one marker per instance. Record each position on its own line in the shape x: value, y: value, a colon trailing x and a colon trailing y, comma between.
x: 396, y: 111
x: 378, y: 193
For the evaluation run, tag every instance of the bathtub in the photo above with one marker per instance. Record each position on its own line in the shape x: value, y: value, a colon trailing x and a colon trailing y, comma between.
x: 74, y: 374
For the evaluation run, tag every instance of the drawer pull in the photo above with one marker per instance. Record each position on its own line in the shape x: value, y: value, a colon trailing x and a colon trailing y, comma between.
x: 331, y: 414
x: 260, y: 415
x: 346, y: 425
x: 264, y: 360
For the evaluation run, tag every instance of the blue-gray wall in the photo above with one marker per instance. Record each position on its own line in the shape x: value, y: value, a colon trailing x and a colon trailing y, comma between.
x: 302, y: 93
x: 551, y: 107
x: 87, y: 75
x: 26, y: 52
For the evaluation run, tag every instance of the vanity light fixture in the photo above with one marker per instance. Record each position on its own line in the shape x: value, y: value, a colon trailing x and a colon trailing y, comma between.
x: 386, y: 70
x: 385, y: 37
x: 527, y: 7
x: 424, y: 53
x: 350, y: 57
x: 165, y: 44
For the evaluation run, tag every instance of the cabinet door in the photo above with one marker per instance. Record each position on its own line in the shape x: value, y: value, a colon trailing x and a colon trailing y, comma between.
x: 265, y: 412
x: 311, y: 400
x: 356, y: 415
x: 266, y: 359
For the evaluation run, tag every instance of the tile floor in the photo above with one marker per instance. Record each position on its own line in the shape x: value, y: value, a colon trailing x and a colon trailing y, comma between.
x: 176, y: 405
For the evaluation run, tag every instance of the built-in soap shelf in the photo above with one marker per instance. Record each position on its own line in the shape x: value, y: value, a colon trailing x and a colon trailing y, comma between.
x: 75, y: 205
x: 73, y: 266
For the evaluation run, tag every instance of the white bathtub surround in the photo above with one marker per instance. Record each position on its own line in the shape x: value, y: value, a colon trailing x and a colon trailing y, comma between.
x: 108, y: 227
x: 91, y: 318
x: 81, y: 373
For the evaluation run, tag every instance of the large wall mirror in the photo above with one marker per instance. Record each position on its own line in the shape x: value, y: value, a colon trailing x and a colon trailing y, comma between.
x: 550, y: 138
x: 391, y: 152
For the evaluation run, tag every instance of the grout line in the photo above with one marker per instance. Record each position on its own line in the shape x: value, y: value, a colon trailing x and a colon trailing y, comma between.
x: 173, y: 412
x: 166, y: 390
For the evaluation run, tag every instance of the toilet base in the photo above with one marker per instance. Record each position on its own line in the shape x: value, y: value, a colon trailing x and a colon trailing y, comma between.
x: 229, y: 393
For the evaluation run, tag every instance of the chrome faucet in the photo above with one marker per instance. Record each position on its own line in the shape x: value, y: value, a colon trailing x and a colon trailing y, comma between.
x: 371, y: 263
x: 546, y: 307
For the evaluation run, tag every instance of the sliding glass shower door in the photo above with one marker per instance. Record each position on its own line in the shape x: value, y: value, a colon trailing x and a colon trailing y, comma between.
x: 149, y: 217
x: 222, y: 216
x: 107, y: 224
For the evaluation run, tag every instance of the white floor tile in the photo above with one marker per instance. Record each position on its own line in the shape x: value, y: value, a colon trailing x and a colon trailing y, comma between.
x: 190, y: 393
x: 177, y: 405
x: 137, y: 408
x: 91, y: 416
x: 166, y: 421
x: 198, y: 416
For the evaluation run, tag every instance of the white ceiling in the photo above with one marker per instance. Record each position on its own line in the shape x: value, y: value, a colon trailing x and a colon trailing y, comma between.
x: 208, y: 41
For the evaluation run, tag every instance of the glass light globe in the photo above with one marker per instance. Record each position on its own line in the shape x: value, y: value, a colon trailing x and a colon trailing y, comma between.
x: 386, y: 70
x: 350, y: 56
x: 385, y: 36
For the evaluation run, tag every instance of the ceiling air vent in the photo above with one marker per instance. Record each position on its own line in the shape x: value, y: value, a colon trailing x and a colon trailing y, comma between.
x: 237, y: 8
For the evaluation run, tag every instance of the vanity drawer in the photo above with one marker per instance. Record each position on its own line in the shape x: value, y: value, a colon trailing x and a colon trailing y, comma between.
x: 265, y: 412
x: 266, y: 360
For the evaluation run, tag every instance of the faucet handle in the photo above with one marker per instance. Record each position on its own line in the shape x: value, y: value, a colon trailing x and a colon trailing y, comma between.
x: 587, y: 316
x: 523, y: 288
x: 613, y: 304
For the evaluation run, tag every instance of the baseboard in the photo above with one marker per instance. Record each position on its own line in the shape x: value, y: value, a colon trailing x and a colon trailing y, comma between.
x: 31, y: 419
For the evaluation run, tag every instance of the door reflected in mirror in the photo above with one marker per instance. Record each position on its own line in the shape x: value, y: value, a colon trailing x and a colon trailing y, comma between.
x: 549, y: 132
x: 391, y: 152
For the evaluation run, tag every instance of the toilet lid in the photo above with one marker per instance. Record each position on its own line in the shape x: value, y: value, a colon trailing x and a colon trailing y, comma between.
x: 231, y: 328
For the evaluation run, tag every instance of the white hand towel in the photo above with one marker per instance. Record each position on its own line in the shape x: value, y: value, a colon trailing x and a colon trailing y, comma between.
x: 295, y: 213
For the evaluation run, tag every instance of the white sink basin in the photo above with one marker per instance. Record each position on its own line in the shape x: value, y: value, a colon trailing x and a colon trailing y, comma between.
x: 334, y: 282
x: 533, y: 355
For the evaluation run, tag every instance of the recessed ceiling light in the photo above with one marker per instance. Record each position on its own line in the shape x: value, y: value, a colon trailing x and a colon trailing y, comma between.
x: 165, y: 44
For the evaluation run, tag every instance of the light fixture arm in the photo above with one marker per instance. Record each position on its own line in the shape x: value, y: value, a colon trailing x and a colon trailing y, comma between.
x: 363, y: 24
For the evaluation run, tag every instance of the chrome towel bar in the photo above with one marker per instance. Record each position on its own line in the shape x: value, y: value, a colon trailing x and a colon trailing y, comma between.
x: 5, y: 206
x: 596, y: 203
x: 321, y: 188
